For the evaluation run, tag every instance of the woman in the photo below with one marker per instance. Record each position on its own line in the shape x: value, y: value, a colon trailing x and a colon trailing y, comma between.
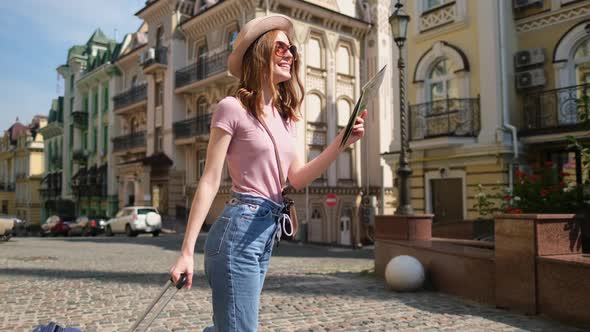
x: 239, y: 244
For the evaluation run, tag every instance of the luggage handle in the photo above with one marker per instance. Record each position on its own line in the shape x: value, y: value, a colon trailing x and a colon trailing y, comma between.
x: 180, y: 284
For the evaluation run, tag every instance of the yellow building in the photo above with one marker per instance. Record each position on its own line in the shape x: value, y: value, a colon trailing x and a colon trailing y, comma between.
x: 28, y: 166
x: 7, y: 168
x: 491, y: 88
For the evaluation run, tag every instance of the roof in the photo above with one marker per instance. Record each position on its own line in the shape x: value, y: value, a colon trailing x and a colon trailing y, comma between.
x: 99, y: 37
x: 16, y: 130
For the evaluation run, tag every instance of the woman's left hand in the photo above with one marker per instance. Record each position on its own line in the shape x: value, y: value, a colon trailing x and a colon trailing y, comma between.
x: 358, y: 130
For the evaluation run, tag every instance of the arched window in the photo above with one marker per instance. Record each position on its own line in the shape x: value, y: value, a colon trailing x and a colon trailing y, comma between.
x: 441, y: 83
x: 133, y: 126
x: 343, y: 63
x: 314, y: 53
x: 316, y: 128
x: 314, y: 108
x: 345, y: 157
x: 582, y: 62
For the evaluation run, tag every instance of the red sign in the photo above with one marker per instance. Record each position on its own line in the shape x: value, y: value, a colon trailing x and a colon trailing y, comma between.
x: 331, y: 200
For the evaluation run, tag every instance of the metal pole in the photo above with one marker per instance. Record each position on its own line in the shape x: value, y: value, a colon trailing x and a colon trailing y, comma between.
x: 404, y: 171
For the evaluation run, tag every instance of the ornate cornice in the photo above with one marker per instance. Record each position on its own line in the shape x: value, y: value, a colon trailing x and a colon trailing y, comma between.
x: 219, y: 14
x: 551, y: 18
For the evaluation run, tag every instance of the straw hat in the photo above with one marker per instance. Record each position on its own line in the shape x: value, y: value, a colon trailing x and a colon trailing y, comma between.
x: 250, y: 32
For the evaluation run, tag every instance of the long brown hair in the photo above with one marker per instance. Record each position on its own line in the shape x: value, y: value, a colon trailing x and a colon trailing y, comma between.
x: 257, y: 68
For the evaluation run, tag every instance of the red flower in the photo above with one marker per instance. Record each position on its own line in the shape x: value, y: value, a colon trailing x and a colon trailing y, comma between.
x: 548, y: 163
x: 544, y: 192
x: 519, y: 173
x: 562, y: 184
x: 564, y: 174
x: 517, y: 211
x: 507, y: 198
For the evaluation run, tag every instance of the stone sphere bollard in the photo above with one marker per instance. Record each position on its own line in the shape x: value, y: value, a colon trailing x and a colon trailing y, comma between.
x: 404, y: 273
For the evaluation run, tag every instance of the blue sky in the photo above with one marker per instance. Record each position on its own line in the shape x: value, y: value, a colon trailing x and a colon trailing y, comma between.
x: 35, y: 36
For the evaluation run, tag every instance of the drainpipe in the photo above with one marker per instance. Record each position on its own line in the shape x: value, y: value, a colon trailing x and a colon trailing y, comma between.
x: 504, y: 92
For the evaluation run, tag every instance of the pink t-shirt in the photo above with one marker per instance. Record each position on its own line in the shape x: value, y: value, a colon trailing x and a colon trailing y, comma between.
x: 251, y: 159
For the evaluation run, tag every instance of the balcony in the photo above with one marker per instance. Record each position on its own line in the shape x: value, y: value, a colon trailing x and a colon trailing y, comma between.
x: 80, y: 119
x: 555, y: 111
x: 130, y: 98
x: 129, y: 142
x: 154, y: 59
x: 201, y: 70
x: 449, y: 121
x: 10, y: 187
x: 80, y: 156
x: 192, y: 128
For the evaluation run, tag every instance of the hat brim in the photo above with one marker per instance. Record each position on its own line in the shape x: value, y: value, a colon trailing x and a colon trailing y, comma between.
x: 252, y: 31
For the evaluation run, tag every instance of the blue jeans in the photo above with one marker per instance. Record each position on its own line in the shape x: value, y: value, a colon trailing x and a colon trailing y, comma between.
x: 237, y: 252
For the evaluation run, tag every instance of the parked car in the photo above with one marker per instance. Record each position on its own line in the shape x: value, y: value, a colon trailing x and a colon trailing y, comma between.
x: 133, y: 220
x: 87, y: 226
x: 19, y: 225
x: 6, y: 226
x: 56, y: 225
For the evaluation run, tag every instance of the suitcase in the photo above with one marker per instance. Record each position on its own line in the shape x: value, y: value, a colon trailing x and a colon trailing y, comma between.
x: 53, y: 327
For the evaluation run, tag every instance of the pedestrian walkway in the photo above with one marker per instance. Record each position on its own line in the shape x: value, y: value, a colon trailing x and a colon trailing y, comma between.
x: 102, y: 284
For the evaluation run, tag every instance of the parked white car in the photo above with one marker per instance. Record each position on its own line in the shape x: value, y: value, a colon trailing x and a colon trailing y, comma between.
x: 133, y: 220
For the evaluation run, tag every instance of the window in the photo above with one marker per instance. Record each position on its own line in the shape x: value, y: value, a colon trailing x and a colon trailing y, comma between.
x: 134, y: 125
x: 105, y: 139
x: 159, y: 37
x: 343, y: 62
x: 314, y: 55
x: 345, y: 165
x: 202, y: 51
x: 105, y: 98
x: 86, y: 103
x: 84, y: 140
x: 582, y: 62
x: 71, y: 136
x: 159, y: 93
x: 95, y: 103
x: 441, y: 83
x: 134, y: 81
x: 94, y: 139
x: 71, y: 105
x: 430, y: 4
x: 159, y: 140
x: 316, y: 128
x: 72, y: 84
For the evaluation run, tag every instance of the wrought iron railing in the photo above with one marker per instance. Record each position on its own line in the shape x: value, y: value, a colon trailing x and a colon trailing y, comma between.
x: 557, y: 110
x: 192, y: 127
x: 457, y: 117
x: 80, y: 119
x: 202, y: 69
x: 134, y: 95
x: 80, y: 156
x: 7, y: 187
x: 130, y: 141
x: 155, y: 55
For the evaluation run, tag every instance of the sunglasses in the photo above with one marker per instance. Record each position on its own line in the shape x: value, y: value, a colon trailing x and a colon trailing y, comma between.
x: 282, y: 48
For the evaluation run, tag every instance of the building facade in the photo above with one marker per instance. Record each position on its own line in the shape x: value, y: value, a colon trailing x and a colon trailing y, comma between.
x: 8, y: 143
x: 51, y: 185
x: 89, y: 81
x: 28, y: 170
x: 184, y: 62
x: 492, y: 87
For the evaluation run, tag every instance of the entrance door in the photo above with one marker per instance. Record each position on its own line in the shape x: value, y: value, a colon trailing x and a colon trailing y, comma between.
x: 315, y: 225
x: 160, y: 198
x: 345, y: 225
x: 447, y: 199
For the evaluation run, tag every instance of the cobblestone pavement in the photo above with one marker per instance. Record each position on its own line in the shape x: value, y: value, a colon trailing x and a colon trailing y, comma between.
x: 102, y: 284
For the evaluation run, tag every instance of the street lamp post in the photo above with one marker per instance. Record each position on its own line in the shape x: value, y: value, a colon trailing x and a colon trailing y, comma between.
x: 399, y: 26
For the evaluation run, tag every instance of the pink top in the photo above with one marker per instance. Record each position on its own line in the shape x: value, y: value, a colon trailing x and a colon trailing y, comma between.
x: 251, y: 156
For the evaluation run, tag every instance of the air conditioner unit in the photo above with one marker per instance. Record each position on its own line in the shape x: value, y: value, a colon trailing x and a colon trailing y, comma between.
x: 529, y: 57
x: 530, y: 78
x: 525, y: 3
